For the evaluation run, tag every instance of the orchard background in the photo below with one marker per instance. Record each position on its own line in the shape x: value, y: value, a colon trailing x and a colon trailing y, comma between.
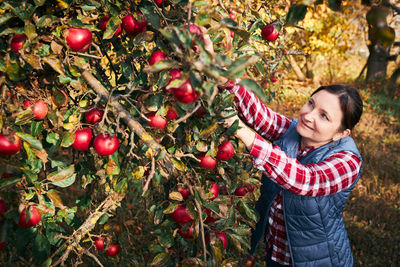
x: 112, y: 155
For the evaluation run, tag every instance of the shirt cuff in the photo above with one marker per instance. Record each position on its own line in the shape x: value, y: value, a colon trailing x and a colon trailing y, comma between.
x: 261, y: 150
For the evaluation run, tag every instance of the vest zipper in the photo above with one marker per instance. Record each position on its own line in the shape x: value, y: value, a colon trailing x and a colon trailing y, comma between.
x: 287, y: 233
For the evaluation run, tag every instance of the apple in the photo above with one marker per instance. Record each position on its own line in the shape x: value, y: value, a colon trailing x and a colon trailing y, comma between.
x: 93, y: 116
x: 249, y: 261
x: 79, y: 39
x: 27, y: 103
x: 207, y: 161
x: 181, y: 215
x: 209, y: 219
x: 193, y: 28
x: 40, y: 109
x: 269, y: 33
x: 113, y: 250
x: 156, y: 121
x: 2, y: 245
x: 187, y: 231
x: 250, y: 187
x: 214, y: 190
x: 6, y: 175
x: 185, y: 192
x: 17, y: 41
x: 171, y: 114
x: 134, y: 24
x: 222, y: 236
x: 240, y: 191
x: 232, y: 16
x: 156, y: 56
x: 185, y: 92
x: 82, y: 139
x: 103, y: 25
x: 273, y: 79
x: 9, y: 144
x: 225, y: 151
x: 29, y: 221
x: 3, y: 207
x: 99, y: 243
x: 105, y: 145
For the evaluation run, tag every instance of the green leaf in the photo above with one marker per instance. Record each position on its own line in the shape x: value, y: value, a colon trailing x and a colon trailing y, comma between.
x: 103, y: 219
x: 296, y: 13
x: 63, y: 177
x: 68, y: 139
x: 52, y: 138
x: 4, y: 183
x: 254, y: 87
x: 160, y: 259
x: 41, y: 247
x: 24, y: 117
x: 233, y: 128
x: 122, y: 186
x: 150, y: 14
x: 241, y: 64
x: 5, y: 17
x: 30, y: 140
x: 36, y: 128
x: 171, y: 208
x: 250, y: 212
x: 211, y: 206
x: 112, y: 25
x: 46, y: 21
x: 163, y: 65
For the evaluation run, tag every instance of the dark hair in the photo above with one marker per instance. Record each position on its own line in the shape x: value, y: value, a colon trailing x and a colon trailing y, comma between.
x: 350, y: 103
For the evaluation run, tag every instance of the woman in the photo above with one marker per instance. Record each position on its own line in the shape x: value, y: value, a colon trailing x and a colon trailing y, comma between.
x: 309, y: 170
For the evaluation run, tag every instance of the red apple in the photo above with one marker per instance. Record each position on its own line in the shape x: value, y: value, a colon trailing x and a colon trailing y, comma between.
x: 185, y: 92
x: 103, y: 25
x: 240, y: 191
x: 93, y: 116
x: 99, y: 243
x: 249, y: 261
x: 214, y: 190
x: 185, y: 192
x: 27, y: 103
x: 156, y: 56
x: 193, y: 28
x: 181, y: 215
x: 134, y: 24
x: 222, y: 236
x: 79, y: 39
x: 171, y: 114
x: 273, y: 79
x: 3, y: 207
x: 207, y: 161
x: 105, y: 145
x: 17, y: 41
x: 225, y: 151
x: 113, y: 250
x: 232, y: 16
x: 269, y: 33
x: 33, y: 219
x: 9, y: 144
x: 40, y: 110
x: 209, y: 219
x: 156, y: 121
x: 2, y: 245
x: 187, y: 231
x: 82, y: 139
x: 250, y: 187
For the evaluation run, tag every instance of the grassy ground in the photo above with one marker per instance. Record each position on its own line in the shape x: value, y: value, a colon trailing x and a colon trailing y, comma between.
x: 372, y: 213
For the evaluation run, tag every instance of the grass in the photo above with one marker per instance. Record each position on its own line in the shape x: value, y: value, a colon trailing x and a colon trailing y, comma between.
x: 372, y: 213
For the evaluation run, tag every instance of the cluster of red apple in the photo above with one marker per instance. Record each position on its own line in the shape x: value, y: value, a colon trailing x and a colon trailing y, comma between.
x: 80, y: 39
x: 105, y: 144
x: 112, y: 249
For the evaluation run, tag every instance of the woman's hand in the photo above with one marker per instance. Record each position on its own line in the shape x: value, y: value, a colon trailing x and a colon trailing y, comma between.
x: 244, y: 133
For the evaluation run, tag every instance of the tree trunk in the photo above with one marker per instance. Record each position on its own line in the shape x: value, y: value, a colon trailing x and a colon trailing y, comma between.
x: 377, y: 62
x: 296, y: 68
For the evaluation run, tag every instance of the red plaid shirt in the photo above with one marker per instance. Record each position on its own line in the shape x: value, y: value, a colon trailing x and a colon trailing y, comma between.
x: 336, y: 173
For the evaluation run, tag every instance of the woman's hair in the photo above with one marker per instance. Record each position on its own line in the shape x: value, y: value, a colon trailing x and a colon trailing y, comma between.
x: 350, y: 103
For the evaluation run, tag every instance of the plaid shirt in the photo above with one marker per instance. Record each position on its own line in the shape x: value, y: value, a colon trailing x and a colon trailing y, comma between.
x: 336, y: 173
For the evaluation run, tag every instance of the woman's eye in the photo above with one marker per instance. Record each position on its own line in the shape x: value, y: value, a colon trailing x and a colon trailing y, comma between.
x: 324, y: 116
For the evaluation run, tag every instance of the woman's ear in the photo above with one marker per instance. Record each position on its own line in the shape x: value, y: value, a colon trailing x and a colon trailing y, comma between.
x: 341, y: 134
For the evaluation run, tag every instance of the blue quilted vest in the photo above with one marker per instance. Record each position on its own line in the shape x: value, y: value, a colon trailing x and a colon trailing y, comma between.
x: 314, y: 225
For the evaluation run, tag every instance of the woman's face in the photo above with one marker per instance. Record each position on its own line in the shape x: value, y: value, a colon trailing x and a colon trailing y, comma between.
x: 320, y: 120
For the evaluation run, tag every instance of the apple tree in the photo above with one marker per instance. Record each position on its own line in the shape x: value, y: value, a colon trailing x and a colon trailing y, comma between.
x: 112, y: 145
